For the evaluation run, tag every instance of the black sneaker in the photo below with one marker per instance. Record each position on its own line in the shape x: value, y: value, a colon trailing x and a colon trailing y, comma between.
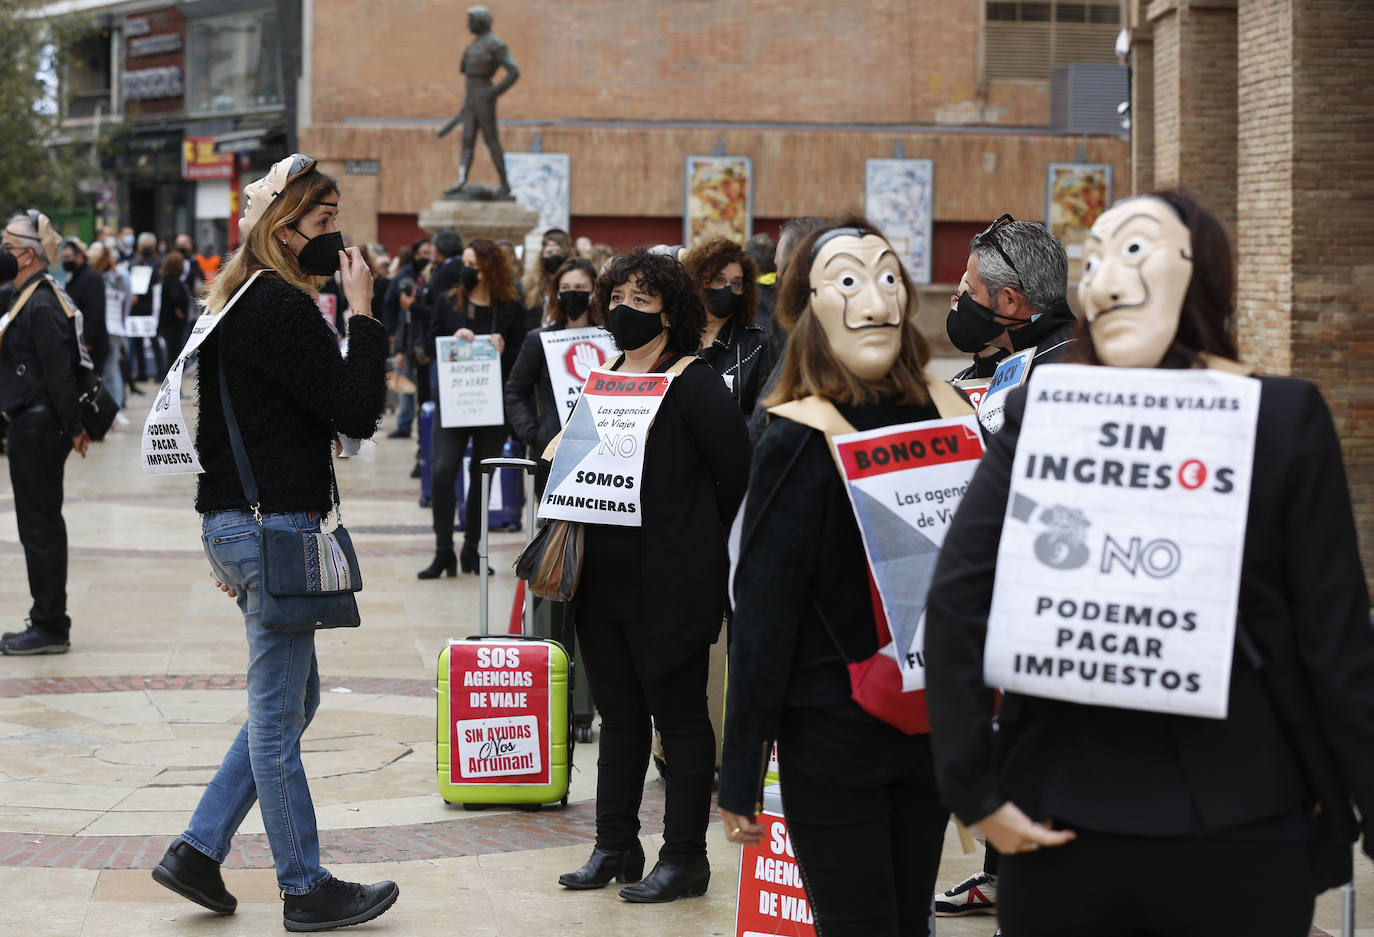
x: 194, y: 875
x: 398, y: 434
x: 337, y: 904
x: 33, y: 641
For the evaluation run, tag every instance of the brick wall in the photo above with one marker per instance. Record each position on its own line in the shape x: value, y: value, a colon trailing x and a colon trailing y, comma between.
x: 639, y: 171
x: 1264, y: 206
x: 1333, y: 231
x: 1195, y: 100
x: 879, y: 61
x: 1306, y: 236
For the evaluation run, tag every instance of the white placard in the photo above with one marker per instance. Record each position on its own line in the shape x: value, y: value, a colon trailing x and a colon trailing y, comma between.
x: 168, y: 448
x: 114, y: 310
x: 571, y: 356
x: 145, y: 326
x: 498, y: 746
x: 905, y: 483
x: 1118, y: 572
x: 597, y: 472
x: 1011, y: 373
x: 140, y: 279
x: 469, y: 382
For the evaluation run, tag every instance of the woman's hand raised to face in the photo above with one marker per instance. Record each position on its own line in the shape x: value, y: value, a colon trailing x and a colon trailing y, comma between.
x: 357, y: 281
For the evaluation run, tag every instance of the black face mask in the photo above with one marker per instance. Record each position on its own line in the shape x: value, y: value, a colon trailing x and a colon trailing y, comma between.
x: 632, y: 329
x: 320, y: 255
x: 722, y: 303
x: 552, y: 262
x: 419, y: 264
x: 574, y: 303
x: 69, y: 266
x: 469, y: 277
x: 970, y: 325
x: 9, y: 267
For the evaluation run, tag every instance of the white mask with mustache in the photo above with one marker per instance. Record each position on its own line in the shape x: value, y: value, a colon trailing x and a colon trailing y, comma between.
x: 1137, y: 263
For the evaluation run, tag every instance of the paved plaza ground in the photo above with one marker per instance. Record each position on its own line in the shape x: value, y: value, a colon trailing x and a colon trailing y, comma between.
x: 104, y: 751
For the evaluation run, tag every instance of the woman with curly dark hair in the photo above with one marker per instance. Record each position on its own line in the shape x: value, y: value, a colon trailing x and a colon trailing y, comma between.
x: 484, y: 302
x: 650, y: 599
x: 727, y: 278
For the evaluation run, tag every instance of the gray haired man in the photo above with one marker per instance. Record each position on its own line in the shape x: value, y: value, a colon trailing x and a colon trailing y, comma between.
x: 1011, y: 297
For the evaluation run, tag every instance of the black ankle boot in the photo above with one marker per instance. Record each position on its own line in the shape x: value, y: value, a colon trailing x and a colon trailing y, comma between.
x: 470, y: 560
x: 444, y: 562
x: 624, y: 865
x: 337, y: 904
x: 194, y: 875
x: 669, y: 882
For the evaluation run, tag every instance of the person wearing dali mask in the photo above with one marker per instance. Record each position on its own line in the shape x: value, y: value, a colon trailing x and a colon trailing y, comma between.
x: 1132, y: 809
x: 863, y: 812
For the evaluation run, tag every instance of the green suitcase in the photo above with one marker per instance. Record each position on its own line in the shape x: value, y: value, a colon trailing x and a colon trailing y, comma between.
x: 503, y: 730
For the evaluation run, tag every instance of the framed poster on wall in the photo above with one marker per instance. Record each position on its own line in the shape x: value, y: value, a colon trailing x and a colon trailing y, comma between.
x: 1075, y: 195
x: 541, y: 182
x: 718, y: 198
x: 899, y: 198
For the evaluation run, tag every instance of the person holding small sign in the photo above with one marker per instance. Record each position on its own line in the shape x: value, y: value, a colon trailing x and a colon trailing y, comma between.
x: 858, y: 783
x: 651, y: 596
x: 1183, y: 640
x: 483, y: 302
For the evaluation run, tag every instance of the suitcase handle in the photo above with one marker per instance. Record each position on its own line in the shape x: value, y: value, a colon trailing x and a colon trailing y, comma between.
x: 491, y: 465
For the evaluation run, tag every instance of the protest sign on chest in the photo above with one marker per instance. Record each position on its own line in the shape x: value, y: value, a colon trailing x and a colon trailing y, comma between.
x: 469, y: 382
x: 974, y: 388
x: 1011, y: 373
x: 145, y: 326
x: 572, y: 355
x: 597, y: 472
x: 114, y: 311
x: 905, y: 483
x: 167, y: 447
x: 1118, y: 571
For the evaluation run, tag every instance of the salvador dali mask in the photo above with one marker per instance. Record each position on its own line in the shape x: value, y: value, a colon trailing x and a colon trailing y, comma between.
x: 1137, y: 263
x: 858, y: 296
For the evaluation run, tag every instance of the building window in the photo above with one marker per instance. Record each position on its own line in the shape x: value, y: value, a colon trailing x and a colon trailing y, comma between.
x: 1026, y: 41
x: 233, y: 63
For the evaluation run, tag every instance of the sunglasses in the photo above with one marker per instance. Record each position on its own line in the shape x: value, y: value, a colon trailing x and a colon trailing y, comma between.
x: 989, y: 236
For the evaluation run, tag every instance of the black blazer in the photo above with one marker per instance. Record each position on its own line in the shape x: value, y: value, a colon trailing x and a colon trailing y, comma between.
x: 531, y: 408
x: 696, y: 466
x: 1303, y: 603
x: 801, y: 557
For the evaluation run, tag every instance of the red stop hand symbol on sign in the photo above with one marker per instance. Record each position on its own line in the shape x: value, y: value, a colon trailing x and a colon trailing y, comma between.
x: 581, y: 358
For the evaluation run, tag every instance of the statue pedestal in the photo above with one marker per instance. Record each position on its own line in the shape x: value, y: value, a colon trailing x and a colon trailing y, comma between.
x: 496, y: 220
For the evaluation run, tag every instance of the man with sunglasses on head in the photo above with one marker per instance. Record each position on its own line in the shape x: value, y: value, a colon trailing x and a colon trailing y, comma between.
x: 38, y: 358
x: 1011, y: 297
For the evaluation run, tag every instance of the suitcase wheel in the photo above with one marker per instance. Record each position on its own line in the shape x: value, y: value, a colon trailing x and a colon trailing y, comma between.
x: 584, y: 733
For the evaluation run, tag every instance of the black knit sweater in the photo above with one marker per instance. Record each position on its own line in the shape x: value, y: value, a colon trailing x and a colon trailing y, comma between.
x: 292, y: 392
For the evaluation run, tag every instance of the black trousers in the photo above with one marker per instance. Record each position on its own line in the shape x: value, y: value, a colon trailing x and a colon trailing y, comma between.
x: 635, y: 676
x: 38, y: 448
x: 1157, y: 886
x: 865, y: 818
x: 449, y: 446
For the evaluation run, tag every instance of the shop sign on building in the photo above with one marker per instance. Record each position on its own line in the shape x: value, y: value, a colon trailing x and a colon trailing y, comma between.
x: 200, y: 161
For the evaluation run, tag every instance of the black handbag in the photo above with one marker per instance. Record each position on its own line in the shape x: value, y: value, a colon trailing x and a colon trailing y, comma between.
x: 98, y: 408
x: 308, y: 577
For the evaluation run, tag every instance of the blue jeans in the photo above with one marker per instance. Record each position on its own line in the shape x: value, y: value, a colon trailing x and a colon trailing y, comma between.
x: 264, y: 763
